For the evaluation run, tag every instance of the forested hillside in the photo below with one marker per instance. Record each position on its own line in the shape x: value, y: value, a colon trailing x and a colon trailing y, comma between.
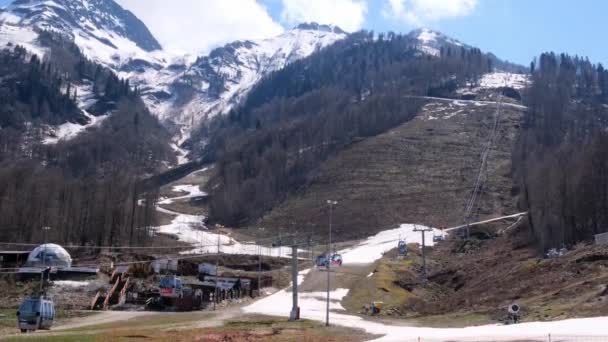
x: 297, y: 117
x: 84, y: 187
x: 561, y: 157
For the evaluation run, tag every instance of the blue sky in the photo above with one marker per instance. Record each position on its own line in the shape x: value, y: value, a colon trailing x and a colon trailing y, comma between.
x: 516, y: 30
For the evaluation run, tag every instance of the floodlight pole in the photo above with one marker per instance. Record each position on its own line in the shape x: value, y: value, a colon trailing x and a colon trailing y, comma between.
x: 217, y: 273
x: 45, y: 229
x: 259, y: 269
x: 328, y: 258
x: 422, y: 231
x: 295, y: 309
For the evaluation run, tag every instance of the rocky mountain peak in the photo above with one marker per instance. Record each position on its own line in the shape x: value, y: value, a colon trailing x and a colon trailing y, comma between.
x: 102, y: 20
x: 312, y: 26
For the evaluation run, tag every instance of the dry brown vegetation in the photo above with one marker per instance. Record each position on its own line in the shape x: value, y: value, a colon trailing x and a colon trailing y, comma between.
x: 421, y: 171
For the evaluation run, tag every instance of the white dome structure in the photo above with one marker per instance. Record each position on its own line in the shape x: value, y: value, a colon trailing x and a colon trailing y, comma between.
x: 49, y: 255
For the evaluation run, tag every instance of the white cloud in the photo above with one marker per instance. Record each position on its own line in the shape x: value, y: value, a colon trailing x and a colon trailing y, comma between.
x: 197, y: 26
x: 349, y: 15
x: 419, y: 12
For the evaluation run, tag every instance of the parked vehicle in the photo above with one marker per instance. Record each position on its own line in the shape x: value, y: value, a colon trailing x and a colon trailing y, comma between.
x: 36, y: 313
x: 170, y: 286
x: 335, y: 259
x: 321, y: 261
x: 438, y: 238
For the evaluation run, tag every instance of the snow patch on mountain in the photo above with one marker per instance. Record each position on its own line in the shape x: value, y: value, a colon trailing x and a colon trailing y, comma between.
x: 224, y: 77
x: 85, y: 100
x: 504, y: 79
x: 70, y: 130
x: 495, y: 80
x: 11, y: 32
x: 431, y: 42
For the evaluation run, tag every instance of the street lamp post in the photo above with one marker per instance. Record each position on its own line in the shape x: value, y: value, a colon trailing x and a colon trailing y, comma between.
x: 45, y: 229
x: 328, y: 260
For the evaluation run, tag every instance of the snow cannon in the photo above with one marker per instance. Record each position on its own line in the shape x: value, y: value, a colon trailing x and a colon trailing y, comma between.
x: 514, y: 313
x: 377, y: 307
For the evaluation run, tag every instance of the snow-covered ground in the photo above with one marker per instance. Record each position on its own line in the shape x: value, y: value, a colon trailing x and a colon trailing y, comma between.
x: 495, y: 80
x: 504, y: 79
x: 374, y: 247
x: 85, y: 99
x: 70, y: 130
x: 312, y: 306
x: 191, y: 229
x: 71, y: 283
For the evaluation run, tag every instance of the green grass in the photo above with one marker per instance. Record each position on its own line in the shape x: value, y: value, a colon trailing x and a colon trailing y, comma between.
x: 247, y: 328
x: 10, y: 321
x: 380, y: 286
x: 55, y: 338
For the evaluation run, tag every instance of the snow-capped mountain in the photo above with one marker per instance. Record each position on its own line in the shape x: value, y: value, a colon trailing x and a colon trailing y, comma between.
x: 105, y: 32
x: 431, y: 42
x: 215, y: 83
x: 181, y: 90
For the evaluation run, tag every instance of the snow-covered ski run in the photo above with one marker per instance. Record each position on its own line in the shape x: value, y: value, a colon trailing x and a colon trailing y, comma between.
x: 312, y: 306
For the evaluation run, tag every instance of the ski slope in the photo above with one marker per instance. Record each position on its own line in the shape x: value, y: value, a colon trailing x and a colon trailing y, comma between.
x: 374, y: 247
x: 192, y: 230
x: 313, y: 306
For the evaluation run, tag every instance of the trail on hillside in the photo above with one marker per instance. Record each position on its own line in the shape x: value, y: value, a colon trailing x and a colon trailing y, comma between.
x: 191, y: 229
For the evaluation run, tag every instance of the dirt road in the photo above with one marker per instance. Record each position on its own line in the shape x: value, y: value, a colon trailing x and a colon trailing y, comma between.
x: 103, y: 317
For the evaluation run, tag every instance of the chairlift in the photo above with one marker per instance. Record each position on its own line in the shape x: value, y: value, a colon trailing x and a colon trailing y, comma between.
x: 36, y: 313
x: 402, y: 248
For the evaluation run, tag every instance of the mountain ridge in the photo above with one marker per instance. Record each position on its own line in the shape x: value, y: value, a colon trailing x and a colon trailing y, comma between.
x: 182, y: 91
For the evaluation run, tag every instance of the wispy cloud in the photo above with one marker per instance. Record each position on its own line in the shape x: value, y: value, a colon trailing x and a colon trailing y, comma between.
x: 348, y: 14
x: 420, y: 12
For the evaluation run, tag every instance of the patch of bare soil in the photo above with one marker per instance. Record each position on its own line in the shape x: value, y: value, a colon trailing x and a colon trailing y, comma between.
x: 421, y: 171
x: 482, y: 277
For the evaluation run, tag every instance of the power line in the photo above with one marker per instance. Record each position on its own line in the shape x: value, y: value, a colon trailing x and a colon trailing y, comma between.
x: 484, y: 163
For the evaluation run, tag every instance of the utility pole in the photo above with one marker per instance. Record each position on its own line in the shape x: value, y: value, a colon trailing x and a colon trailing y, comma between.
x: 328, y: 258
x: 295, y: 309
x: 259, y: 269
x: 45, y: 229
x: 217, y: 271
x: 422, y: 231
x: 310, y: 255
x: 280, y: 241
